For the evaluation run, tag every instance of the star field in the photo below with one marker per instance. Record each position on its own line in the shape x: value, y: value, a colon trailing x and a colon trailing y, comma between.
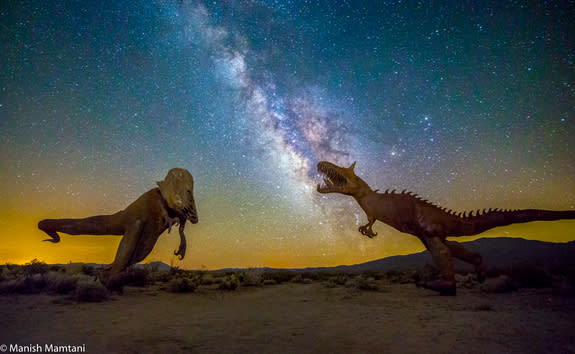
x: 469, y: 105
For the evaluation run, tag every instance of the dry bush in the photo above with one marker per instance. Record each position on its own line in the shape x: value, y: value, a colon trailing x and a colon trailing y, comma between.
x: 401, y: 277
x: 90, y: 290
x: 137, y: 276
x: 336, y: 280
x: 301, y: 279
x: 426, y: 273
x: 230, y: 283
x: 61, y: 283
x: 207, y: 279
x: 500, y: 284
x: 36, y: 267
x: 162, y: 276
x: 181, y: 285
x: 252, y: 277
x: 278, y: 276
x: 362, y: 283
x: 30, y: 284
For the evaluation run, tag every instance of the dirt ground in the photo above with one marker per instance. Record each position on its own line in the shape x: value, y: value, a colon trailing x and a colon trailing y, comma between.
x: 297, y: 318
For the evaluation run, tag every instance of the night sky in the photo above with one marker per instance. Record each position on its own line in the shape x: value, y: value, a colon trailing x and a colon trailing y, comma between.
x: 468, y: 104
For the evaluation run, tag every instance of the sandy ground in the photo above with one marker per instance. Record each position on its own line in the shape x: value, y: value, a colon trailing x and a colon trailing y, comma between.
x: 297, y: 318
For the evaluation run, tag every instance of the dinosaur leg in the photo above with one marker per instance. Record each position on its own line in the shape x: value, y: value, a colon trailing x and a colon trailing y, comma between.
x: 146, y: 243
x: 460, y: 252
x: 366, y: 229
x: 127, y: 247
x: 94, y: 225
x: 444, y: 261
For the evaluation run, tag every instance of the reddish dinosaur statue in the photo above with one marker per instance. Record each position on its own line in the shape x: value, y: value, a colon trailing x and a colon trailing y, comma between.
x: 141, y: 223
x: 408, y: 213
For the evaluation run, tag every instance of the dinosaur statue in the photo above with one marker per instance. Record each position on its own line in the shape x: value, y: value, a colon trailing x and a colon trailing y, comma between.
x: 141, y: 223
x: 410, y: 214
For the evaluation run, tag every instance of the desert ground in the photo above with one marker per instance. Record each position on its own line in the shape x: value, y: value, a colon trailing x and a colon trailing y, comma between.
x: 297, y: 318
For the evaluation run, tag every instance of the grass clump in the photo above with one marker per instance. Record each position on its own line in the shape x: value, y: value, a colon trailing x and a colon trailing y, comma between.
x: 90, y: 290
x: 252, y: 277
x: 360, y: 282
x: 230, y: 283
x: 181, y: 285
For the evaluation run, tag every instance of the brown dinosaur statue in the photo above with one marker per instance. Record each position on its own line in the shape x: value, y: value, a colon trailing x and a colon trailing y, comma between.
x: 409, y: 213
x: 141, y: 223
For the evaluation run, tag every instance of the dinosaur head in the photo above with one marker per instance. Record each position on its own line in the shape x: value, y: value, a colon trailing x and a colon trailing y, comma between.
x: 178, y: 191
x: 339, y: 179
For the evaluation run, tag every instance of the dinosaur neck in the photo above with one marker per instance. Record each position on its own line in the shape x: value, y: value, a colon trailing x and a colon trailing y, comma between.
x: 361, y: 190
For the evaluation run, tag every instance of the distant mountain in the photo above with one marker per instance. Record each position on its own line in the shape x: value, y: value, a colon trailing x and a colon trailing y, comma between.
x: 158, y: 265
x: 496, y: 252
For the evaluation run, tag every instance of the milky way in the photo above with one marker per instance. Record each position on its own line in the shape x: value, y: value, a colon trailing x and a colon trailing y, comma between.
x: 469, y: 106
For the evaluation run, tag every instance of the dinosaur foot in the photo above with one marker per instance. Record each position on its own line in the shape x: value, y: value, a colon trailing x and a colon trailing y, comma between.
x: 444, y: 287
x: 367, y: 231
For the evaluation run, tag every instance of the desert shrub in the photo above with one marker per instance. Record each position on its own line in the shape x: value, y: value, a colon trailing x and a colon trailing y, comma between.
x: 219, y: 279
x: 278, y: 276
x: 89, y: 270
x: 426, y: 273
x: 36, y: 267
x: 230, y: 283
x: 330, y: 283
x: 252, y: 277
x: 316, y: 276
x: 176, y: 272
x: 207, y: 279
x: 30, y: 284
x: 500, y: 284
x: 12, y: 271
x: 530, y: 276
x: 137, y: 276
x: 362, y: 283
x: 90, y: 290
x: 401, y: 277
x: 301, y: 279
x: 467, y: 281
x: 60, y: 283
x: 181, y: 285
x: 377, y: 275
x: 336, y: 280
x: 162, y: 276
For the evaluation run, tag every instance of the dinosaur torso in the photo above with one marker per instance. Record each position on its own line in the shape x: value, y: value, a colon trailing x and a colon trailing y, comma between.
x: 410, y: 214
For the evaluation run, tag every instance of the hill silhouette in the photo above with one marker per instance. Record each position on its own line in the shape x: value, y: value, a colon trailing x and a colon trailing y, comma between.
x: 496, y: 252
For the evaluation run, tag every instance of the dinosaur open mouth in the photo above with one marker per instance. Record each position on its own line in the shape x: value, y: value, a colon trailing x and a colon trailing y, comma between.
x: 332, y: 180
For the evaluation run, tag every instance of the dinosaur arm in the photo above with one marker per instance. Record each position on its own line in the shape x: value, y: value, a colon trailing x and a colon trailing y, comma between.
x: 181, y: 252
x: 171, y: 222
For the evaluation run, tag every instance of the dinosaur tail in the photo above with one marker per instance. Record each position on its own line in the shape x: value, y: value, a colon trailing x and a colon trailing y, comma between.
x: 94, y: 225
x: 490, y: 219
